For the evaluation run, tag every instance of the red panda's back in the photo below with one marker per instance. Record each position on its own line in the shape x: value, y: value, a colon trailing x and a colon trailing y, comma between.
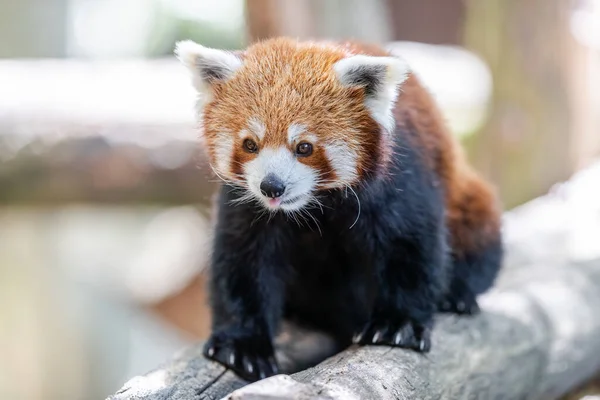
x: 473, y: 211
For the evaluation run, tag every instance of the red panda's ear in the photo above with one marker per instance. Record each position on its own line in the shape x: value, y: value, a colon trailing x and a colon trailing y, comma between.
x: 207, y: 65
x: 380, y: 77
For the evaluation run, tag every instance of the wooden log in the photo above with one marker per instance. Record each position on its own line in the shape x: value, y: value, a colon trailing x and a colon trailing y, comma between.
x: 132, y: 141
x: 93, y: 170
x: 538, y: 335
x: 190, y: 376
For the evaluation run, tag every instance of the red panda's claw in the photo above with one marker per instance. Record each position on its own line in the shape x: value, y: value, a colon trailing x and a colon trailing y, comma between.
x: 402, y: 332
x: 250, y: 358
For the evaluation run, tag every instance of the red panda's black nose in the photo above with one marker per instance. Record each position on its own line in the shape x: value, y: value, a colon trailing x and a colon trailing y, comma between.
x: 272, y: 186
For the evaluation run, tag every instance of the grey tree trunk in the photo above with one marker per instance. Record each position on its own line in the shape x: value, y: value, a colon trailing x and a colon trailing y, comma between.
x: 366, y: 20
x: 33, y: 28
x: 537, y: 337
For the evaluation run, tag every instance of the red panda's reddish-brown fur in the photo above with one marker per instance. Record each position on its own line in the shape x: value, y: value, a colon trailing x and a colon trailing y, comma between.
x: 421, y: 232
x: 308, y: 92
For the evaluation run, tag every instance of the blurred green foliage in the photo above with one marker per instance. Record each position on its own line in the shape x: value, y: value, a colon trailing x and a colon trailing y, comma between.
x: 170, y: 28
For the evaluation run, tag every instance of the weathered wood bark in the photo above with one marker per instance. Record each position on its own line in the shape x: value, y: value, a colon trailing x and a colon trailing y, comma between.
x: 133, y: 140
x: 538, y: 337
x: 93, y: 170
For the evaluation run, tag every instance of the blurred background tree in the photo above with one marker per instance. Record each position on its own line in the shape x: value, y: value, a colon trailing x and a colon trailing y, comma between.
x: 541, y: 127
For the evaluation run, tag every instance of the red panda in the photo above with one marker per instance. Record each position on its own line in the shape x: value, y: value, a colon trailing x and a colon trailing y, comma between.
x: 346, y: 203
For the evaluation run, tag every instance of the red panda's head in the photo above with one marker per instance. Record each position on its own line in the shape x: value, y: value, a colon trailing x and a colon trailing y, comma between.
x: 286, y: 119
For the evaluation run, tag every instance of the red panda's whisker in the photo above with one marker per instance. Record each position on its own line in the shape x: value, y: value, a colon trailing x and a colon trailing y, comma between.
x: 261, y: 214
x: 248, y: 197
x: 294, y: 214
x: 238, y: 163
x: 302, y: 211
x: 217, y: 174
x: 315, y: 200
x: 229, y: 181
x: 358, y: 201
x: 271, y: 214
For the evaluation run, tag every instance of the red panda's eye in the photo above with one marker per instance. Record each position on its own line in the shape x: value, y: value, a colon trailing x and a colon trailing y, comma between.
x: 250, y: 146
x: 304, y: 149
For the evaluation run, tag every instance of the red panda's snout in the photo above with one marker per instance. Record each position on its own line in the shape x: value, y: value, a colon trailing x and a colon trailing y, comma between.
x: 284, y: 168
x: 279, y: 180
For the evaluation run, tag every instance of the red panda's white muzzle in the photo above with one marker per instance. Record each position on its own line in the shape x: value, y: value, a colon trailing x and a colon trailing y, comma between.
x: 279, y: 181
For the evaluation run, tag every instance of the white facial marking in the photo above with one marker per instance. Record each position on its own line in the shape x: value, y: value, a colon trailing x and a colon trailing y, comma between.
x: 257, y: 127
x: 294, y: 132
x: 310, y: 138
x: 343, y: 160
x: 299, y: 179
x: 223, y: 152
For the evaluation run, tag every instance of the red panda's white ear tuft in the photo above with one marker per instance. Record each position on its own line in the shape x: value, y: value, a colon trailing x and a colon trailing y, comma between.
x: 380, y: 77
x: 207, y: 65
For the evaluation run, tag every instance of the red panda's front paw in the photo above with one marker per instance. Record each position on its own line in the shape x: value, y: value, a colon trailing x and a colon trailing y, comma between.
x: 405, y: 333
x: 250, y: 358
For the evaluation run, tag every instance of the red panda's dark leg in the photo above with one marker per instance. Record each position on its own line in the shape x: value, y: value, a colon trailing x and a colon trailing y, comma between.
x: 246, y: 292
x: 412, y: 272
x: 472, y: 274
x: 476, y: 246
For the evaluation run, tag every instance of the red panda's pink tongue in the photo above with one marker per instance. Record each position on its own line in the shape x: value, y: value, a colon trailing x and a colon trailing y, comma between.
x: 274, y: 202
